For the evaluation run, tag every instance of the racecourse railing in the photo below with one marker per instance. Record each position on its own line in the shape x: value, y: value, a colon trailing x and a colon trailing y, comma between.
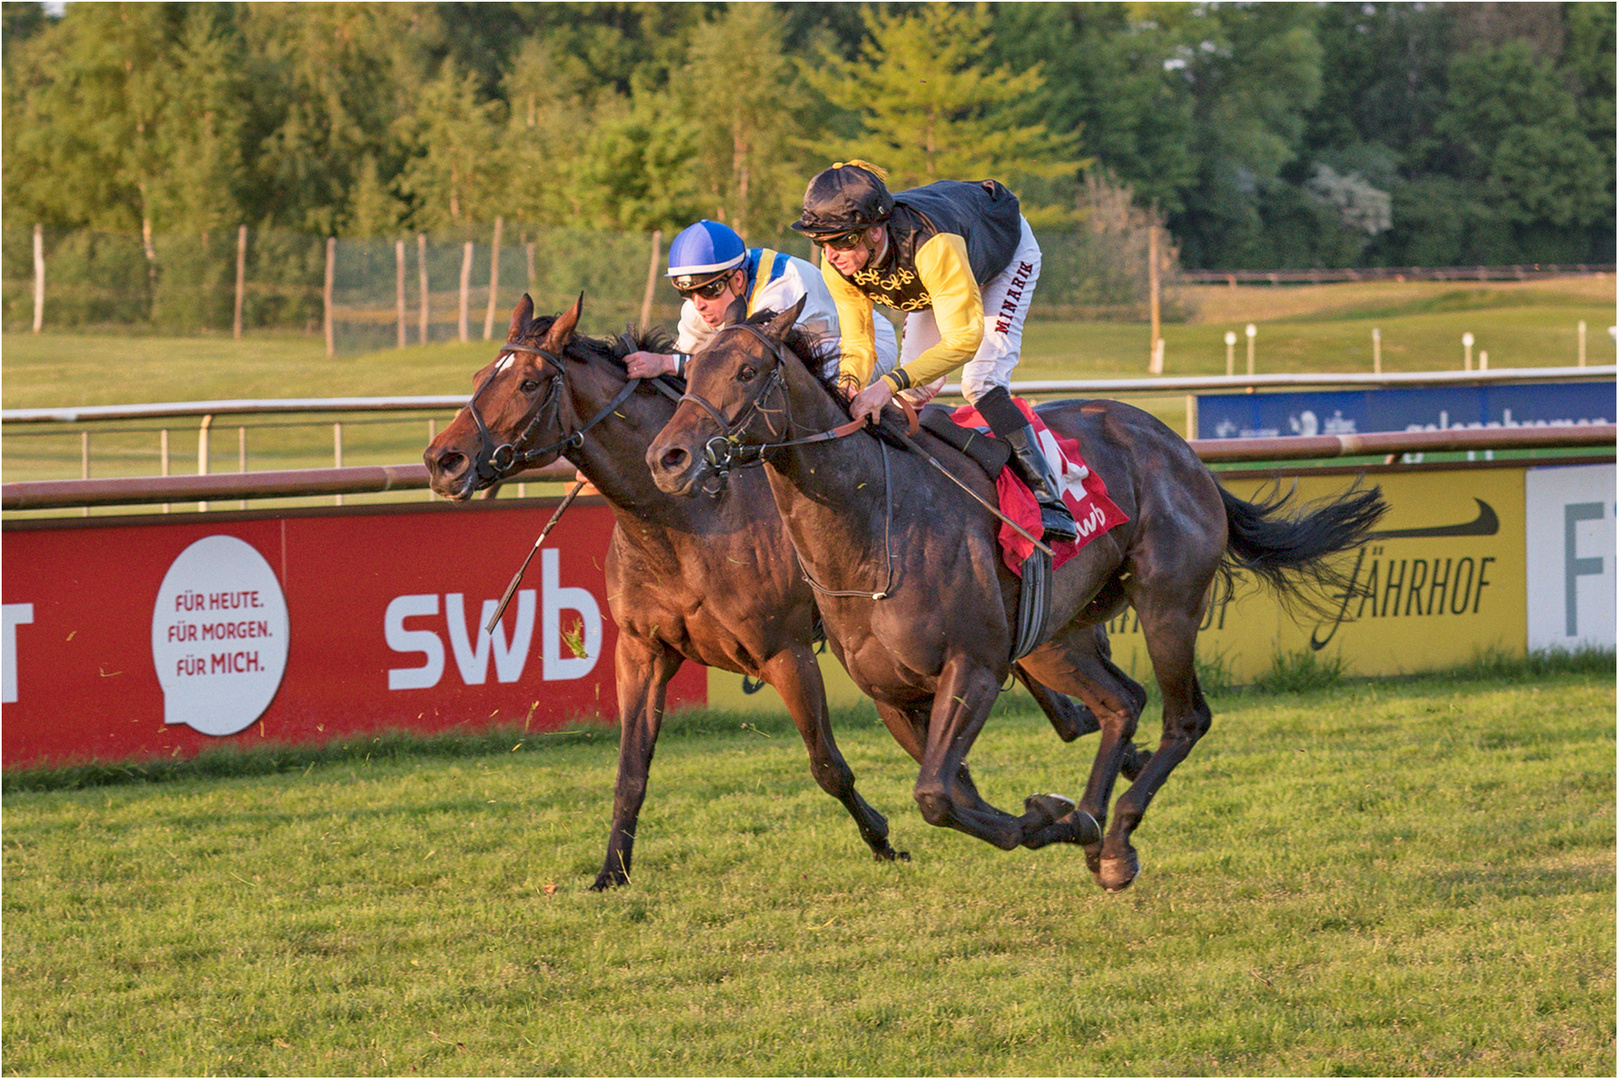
x: 205, y: 487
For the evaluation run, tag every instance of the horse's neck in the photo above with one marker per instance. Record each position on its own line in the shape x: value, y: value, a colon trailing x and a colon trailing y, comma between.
x: 833, y: 495
x: 613, y: 458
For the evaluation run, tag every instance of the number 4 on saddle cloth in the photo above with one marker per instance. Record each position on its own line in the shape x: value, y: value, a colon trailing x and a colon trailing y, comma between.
x: 1083, y: 491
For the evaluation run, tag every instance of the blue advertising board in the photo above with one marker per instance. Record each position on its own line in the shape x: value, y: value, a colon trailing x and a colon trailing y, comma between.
x: 1417, y: 408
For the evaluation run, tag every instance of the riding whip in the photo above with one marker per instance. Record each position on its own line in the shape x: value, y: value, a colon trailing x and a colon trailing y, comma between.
x: 518, y: 577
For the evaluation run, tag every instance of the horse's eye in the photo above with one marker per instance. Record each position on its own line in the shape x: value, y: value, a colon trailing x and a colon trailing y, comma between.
x: 529, y: 386
x: 747, y: 373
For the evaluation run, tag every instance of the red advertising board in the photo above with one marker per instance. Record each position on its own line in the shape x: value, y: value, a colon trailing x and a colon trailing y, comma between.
x: 162, y: 635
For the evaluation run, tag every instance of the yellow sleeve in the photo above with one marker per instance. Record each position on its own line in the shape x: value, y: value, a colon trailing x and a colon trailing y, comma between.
x: 958, y: 309
x: 857, y: 341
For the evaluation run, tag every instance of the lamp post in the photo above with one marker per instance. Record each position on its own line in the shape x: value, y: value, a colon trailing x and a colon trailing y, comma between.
x: 1251, y: 331
x: 1230, y: 353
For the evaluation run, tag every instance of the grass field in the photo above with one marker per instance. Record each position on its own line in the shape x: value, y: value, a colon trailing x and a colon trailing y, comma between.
x: 1315, y: 329
x: 1411, y: 878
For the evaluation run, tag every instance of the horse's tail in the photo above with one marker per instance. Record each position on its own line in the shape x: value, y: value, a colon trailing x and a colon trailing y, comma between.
x: 1294, y: 553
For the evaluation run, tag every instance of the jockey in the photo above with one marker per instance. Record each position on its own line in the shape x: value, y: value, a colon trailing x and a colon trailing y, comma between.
x: 711, y: 268
x: 960, y: 259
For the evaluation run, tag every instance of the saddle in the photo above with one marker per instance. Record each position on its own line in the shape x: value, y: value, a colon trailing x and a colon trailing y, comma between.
x: 991, y: 455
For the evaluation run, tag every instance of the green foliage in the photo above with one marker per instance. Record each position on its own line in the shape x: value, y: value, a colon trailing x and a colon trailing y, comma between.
x: 1268, y: 133
x: 927, y: 110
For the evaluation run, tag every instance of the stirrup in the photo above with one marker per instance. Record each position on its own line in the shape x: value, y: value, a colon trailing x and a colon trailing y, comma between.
x: 1058, y: 525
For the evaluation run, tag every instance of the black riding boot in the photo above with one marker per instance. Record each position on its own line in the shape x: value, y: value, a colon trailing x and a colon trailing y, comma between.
x: 1033, y: 469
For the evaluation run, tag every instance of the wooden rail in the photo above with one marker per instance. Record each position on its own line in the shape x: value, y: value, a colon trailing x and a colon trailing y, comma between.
x: 293, y: 483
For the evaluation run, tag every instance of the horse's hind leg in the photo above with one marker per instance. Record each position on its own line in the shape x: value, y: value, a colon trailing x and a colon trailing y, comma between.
x: 797, y: 678
x: 1070, y: 718
x: 1170, y: 627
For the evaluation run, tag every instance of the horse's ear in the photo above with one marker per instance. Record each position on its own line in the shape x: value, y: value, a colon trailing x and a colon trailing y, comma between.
x: 778, y: 327
x: 522, y: 315
x: 561, y: 332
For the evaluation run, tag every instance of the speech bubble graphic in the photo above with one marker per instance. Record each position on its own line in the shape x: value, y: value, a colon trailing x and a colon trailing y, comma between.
x: 219, y: 636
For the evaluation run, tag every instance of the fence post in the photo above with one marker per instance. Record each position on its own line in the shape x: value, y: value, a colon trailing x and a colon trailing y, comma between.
x: 241, y: 279
x: 651, y: 279
x: 466, y: 283
x: 39, y: 278
x: 421, y: 270
x: 494, y: 283
x: 331, y: 279
x: 1154, y: 344
x: 202, y: 449
x: 399, y: 286
x: 1582, y: 343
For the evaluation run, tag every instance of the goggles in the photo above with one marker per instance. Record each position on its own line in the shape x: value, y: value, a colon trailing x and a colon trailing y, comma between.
x: 841, y: 241
x: 708, y: 290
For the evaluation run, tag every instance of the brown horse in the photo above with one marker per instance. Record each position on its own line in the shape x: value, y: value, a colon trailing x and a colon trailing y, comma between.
x: 935, y: 649
x: 713, y: 580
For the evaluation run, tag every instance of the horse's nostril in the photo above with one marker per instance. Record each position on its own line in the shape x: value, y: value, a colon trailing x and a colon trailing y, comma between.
x: 674, y: 458
x: 450, y: 462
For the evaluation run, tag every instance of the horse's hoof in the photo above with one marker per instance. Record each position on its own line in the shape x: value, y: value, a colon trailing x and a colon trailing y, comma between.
x: 1086, y: 828
x: 891, y: 855
x: 1115, y: 875
x: 1048, y: 809
x: 1135, y: 759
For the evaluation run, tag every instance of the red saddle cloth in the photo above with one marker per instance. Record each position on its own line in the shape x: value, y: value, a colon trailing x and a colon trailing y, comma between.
x: 1083, y: 491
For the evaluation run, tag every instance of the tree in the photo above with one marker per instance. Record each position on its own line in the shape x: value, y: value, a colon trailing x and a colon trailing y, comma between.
x: 735, y: 88
x: 1106, y: 79
x: 454, y: 137
x: 1254, y: 72
x: 329, y: 83
x: 927, y: 110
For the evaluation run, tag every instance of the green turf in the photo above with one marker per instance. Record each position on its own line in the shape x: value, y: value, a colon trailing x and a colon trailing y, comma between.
x: 1403, y: 878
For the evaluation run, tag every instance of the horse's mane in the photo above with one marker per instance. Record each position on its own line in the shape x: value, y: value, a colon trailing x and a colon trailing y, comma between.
x: 814, y: 351
x: 652, y: 339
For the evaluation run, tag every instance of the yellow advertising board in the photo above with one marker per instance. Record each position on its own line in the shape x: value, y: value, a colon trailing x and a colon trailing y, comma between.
x: 1442, y: 581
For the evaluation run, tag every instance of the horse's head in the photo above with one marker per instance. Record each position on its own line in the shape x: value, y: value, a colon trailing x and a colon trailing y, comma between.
x: 735, y: 397
x: 519, y: 414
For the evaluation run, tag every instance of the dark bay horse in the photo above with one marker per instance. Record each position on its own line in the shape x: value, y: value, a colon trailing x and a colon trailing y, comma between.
x: 712, y: 580
x: 935, y: 650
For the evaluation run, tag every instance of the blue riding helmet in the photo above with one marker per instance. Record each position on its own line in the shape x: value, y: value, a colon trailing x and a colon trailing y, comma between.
x: 702, y: 252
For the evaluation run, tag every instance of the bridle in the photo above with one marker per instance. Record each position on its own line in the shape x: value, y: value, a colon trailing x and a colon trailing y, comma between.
x: 496, y: 462
x: 721, y: 453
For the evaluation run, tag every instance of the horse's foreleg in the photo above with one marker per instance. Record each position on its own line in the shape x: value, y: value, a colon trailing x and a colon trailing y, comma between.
x: 643, y: 671
x: 1171, y: 633
x: 797, y: 678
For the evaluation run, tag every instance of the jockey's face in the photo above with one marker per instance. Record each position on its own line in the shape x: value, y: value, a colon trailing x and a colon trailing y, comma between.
x: 860, y: 255
x: 713, y: 308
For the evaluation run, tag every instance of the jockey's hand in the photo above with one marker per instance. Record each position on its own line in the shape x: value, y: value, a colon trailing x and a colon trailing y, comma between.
x: 647, y: 365
x: 868, y: 404
x: 919, y: 396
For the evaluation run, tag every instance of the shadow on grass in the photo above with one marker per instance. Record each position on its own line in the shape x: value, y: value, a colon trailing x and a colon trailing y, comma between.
x: 233, y: 760
x: 269, y: 760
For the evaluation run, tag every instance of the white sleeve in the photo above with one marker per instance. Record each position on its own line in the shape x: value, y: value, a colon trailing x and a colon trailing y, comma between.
x: 819, y: 316
x: 694, y: 332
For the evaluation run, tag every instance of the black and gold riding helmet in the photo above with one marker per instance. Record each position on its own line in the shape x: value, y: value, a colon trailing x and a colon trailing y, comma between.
x: 850, y: 195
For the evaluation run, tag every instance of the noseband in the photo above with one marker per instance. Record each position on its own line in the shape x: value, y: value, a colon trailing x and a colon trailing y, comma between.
x: 496, y: 462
